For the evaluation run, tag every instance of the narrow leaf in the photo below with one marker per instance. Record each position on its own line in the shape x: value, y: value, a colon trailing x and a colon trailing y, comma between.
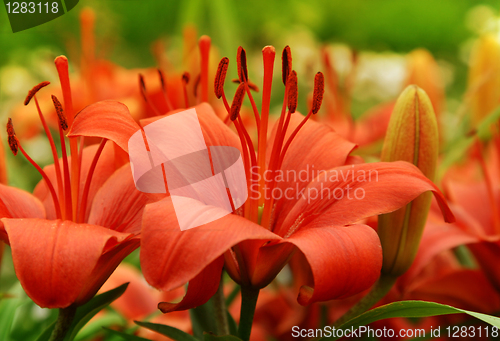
x: 91, y: 308
x: 171, y: 332
x: 212, y: 337
x: 409, y: 309
x: 125, y: 336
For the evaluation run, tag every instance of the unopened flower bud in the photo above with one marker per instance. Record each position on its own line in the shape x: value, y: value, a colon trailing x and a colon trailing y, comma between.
x: 484, y: 78
x: 412, y: 136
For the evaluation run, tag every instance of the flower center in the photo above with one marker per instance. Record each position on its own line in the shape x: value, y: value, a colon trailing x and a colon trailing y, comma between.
x: 65, y: 200
x: 259, y: 208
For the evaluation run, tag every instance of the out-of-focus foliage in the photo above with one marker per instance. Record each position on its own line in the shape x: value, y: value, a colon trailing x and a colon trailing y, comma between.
x: 131, y: 25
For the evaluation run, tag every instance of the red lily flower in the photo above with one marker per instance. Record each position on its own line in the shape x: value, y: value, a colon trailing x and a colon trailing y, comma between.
x: 479, y: 204
x: 344, y: 256
x: 69, y: 236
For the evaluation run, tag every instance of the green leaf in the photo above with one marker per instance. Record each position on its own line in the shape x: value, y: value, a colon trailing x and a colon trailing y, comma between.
x: 125, y: 336
x: 94, y: 328
x: 202, y: 319
x: 212, y: 337
x: 233, y: 327
x: 410, y: 309
x: 171, y: 332
x: 45, y: 336
x: 8, y: 307
x: 91, y: 308
x: 232, y: 295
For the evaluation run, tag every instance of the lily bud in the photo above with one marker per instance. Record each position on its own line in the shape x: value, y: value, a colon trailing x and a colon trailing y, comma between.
x: 424, y: 72
x: 412, y: 136
x: 484, y: 77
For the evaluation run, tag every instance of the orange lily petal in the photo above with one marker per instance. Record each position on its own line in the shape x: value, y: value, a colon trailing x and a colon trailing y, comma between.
x: 391, y: 186
x: 316, y: 144
x: 53, y: 260
x: 107, y: 263
x: 487, y: 256
x: 465, y: 289
x: 106, y: 119
x: 438, y: 237
x: 125, y: 216
x: 344, y: 260
x: 171, y: 257
x: 16, y: 203
x: 200, y: 288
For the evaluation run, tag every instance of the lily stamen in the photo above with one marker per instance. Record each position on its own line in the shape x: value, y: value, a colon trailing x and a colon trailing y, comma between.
x: 32, y: 94
x: 241, y: 61
x: 145, y: 96
x: 164, y: 90
x: 319, y: 89
x: 15, y: 146
x: 220, y: 78
x: 86, y: 189
x: 185, y: 81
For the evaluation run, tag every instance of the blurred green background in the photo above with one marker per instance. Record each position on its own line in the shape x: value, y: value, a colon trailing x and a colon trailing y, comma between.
x: 132, y: 25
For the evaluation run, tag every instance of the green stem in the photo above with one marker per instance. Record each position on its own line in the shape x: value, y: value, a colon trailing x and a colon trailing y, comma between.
x: 219, y: 302
x: 379, y: 290
x: 248, y: 302
x: 63, y: 323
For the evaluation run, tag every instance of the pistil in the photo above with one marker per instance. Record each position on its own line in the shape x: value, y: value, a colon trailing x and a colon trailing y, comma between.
x: 268, y: 55
x: 204, y: 45
x: 63, y: 125
x: 62, y: 69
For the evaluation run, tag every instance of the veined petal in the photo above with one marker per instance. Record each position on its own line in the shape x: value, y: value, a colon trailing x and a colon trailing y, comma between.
x: 118, y: 204
x: 171, y: 257
x: 344, y: 260
x: 348, y: 194
x: 54, y: 260
x: 439, y: 236
x: 199, y: 289
x: 16, y: 203
x: 463, y: 288
x: 106, y: 119
x: 474, y: 199
x: 107, y: 263
x: 325, y: 148
x: 315, y: 148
